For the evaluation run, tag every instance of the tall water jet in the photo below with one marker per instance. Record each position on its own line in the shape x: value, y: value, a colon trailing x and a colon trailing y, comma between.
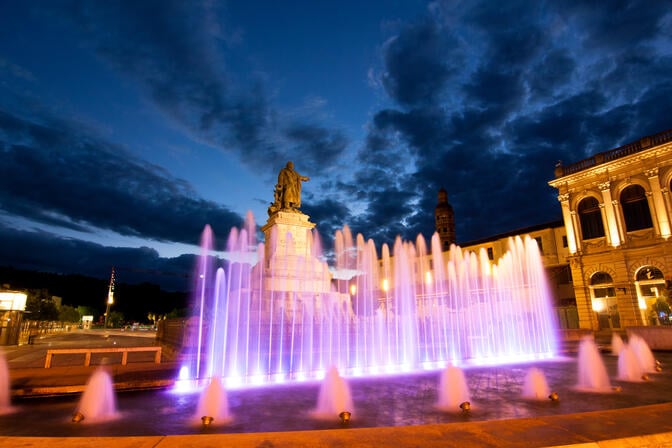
x: 629, y: 368
x: 213, y: 405
x: 276, y: 312
x: 453, y: 390
x: 616, y: 344
x: 5, y: 400
x: 592, y: 372
x: 535, y: 386
x: 98, y: 402
x: 643, y: 353
x: 334, y: 397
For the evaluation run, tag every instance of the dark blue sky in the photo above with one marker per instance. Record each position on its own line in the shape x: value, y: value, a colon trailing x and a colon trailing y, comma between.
x: 127, y: 126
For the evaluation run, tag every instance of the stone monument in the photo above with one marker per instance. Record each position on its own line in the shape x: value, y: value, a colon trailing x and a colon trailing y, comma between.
x: 289, y: 240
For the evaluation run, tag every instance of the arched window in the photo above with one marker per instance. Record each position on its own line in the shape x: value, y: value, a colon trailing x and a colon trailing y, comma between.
x: 652, y: 295
x: 603, y: 295
x: 635, y: 208
x: 591, y: 218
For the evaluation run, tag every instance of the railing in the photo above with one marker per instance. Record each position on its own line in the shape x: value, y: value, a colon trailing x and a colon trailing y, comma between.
x: 616, y: 153
x: 88, y: 351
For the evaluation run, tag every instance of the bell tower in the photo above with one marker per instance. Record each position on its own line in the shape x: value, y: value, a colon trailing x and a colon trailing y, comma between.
x: 444, y: 220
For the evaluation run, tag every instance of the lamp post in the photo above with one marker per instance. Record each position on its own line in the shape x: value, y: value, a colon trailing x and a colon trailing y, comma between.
x: 110, y: 298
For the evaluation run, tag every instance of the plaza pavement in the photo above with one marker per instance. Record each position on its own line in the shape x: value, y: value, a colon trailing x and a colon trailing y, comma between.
x: 644, y: 426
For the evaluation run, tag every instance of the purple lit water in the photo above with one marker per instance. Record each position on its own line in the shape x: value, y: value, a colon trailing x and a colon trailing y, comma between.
x: 98, y: 402
x: 592, y: 372
x: 274, y: 314
x: 213, y: 403
x: 5, y: 401
x: 629, y: 367
x: 334, y: 397
x: 535, y: 386
x: 453, y: 389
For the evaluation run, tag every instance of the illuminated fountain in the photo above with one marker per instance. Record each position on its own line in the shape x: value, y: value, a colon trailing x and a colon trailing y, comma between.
x: 213, y: 405
x: 276, y: 312
x: 453, y: 392
x: 98, y: 402
x: 334, y: 397
x: 592, y: 372
x: 535, y: 386
x: 5, y: 402
x: 629, y: 368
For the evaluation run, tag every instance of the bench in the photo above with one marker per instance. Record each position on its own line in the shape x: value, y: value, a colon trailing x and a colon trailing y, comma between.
x: 88, y: 351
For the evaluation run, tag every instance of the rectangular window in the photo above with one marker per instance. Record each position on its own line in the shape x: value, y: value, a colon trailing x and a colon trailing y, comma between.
x: 541, y: 248
x: 491, y: 255
x: 564, y: 240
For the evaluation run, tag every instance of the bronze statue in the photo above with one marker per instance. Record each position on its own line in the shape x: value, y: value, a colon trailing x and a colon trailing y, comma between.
x: 287, y: 193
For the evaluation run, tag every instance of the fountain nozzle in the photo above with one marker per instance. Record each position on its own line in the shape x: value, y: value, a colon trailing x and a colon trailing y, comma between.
x: 207, y: 420
x: 554, y: 396
x: 345, y: 417
x: 465, y: 406
x: 77, y: 417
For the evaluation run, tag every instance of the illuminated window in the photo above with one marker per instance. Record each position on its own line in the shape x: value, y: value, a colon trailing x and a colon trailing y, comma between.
x: 591, y: 219
x: 635, y: 208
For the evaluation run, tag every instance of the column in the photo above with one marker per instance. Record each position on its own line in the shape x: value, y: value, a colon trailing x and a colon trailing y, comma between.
x: 569, y: 223
x: 660, y: 211
x: 612, y: 230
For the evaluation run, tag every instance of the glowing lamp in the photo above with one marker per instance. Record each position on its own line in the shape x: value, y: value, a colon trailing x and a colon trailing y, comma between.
x: 345, y: 417
x: 77, y: 417
x: 642, y: 303
x: 386, y: 285
x: 428, y: 277
x: 554, y: 396
x: 598, y: 305
x: 353, y: 289
x: 465, y: 406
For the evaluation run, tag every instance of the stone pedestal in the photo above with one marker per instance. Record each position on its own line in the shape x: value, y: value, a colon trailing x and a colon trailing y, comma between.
x: 288, y: 233
x: 289, y: 263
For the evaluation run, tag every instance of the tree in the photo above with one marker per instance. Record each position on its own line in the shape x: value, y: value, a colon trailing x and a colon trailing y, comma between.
x: 40, y: 305
x: 115, y: 319
x: 68, y: 314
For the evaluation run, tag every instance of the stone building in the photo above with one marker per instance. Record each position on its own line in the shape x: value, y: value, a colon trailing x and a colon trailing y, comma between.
x: 616, y: 209
x: 552, y: 242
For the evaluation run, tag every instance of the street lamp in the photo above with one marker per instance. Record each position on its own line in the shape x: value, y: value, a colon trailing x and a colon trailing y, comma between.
x: 110, y: 298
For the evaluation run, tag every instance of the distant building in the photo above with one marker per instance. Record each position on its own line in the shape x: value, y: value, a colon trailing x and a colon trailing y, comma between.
x: 551, y: 239
x: 617, y: 213
x: 12, y: 306
x: 444, y: 220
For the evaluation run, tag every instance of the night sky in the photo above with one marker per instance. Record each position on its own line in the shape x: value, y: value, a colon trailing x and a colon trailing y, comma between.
x: 127, y: 126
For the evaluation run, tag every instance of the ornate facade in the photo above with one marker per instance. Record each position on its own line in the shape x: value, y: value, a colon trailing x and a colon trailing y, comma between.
x: 617, y: 214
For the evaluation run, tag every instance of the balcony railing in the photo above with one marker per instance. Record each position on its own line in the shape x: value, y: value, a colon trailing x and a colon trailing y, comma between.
x: 616, y: 153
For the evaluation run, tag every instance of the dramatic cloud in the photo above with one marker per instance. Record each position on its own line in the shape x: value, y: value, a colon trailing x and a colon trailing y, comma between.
x: 54, y: 174
x: 48, y: 252
x: 481, y: 98
x: 179, y: 54
x: 534, y: 89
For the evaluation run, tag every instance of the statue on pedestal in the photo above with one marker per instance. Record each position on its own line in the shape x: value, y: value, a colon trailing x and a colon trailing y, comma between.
x: 287, y: 193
